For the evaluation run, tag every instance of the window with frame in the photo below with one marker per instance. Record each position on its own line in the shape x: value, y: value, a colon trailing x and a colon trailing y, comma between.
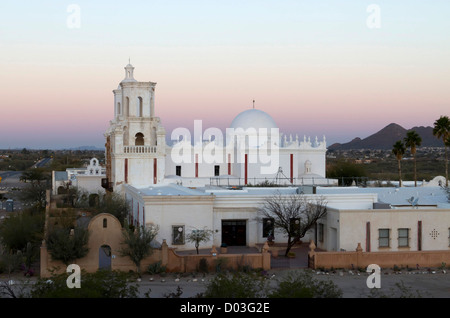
x: 178, y: 234
x: 216, y: 171
x: 383, y: 238
x: 268, y: 227
x: 320, y: 232
x: 403, y: 237
x: 294, y: 226
x: 178, y: 171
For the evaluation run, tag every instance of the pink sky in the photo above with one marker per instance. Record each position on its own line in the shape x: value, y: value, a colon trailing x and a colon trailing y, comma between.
x: 323, y: 77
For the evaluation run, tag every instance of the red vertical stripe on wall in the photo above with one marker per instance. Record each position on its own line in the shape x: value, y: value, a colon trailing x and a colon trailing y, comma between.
x: 196, y: 165
x: 229, y: 164
x: 246, y: 168
x: 292, y: 168
x: 419, y: 235
x: 126, y: 170
x: 155, y: 171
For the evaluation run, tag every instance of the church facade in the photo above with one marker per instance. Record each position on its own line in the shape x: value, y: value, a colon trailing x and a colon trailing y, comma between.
x: 137, y: 152
x: 205, y: 182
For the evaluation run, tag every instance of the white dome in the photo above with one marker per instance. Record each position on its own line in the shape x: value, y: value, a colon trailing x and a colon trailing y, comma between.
x: 253, y: 118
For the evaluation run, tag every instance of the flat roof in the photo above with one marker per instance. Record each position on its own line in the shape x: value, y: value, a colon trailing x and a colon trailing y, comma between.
x: 168, y: 189
x: 425, y: 196
x: 396, y: 196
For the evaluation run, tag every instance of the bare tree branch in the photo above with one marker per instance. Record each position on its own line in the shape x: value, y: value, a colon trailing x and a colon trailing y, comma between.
x: 293, y: 214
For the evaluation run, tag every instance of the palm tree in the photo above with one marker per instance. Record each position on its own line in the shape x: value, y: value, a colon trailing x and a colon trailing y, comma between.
x: 441, y: 129
x: 398, y: 149
x: 412, y: 141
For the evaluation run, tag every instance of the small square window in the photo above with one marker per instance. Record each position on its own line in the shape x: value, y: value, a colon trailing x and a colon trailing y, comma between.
x: 268, y: 227
x: 294, y: 227
x: 383, y: 237
x: 403, y: 237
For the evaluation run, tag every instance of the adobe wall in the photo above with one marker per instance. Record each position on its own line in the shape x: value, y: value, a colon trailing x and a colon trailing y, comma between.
x: 383, y: 259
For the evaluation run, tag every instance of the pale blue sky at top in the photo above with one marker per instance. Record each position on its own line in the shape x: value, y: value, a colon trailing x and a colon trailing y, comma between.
x: 315, y: 66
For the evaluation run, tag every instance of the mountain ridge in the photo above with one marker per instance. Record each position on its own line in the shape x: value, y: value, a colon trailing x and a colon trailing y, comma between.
x: 387, y: 136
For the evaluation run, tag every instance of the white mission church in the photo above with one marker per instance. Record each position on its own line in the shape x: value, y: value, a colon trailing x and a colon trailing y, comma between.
x: 178, y: 195
x: 180, y: 189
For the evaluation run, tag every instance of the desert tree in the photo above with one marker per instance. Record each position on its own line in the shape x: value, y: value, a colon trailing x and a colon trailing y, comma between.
x: 35, y: 195
x: 34, y: 175
x: 115, y: 204
x: 137, y: 243
x: 292, y: 214
x: 20, y: 229
x: 412, y: 141
x: 198, y: 236
x: 441, y: 130
x: 398, y: 149
x: 67, y: 245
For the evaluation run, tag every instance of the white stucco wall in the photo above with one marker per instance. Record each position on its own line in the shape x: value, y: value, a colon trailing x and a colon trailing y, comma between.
x: 354, y: 223
x: 91, y: 184
x: 190, y: 212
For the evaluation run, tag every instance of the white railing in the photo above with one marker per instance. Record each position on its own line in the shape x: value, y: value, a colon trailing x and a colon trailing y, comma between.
x: 139, y: 149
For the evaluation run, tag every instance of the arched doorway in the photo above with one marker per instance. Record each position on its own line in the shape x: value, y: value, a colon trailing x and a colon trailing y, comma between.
x: 104, y: 257
x: 139, y: 141
x: 62, y: 190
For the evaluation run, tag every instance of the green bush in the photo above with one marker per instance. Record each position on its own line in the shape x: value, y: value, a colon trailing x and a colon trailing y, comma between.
x: 156, y: 268
x: 236, y: 285
x: 101, y: 284
x: 300, y: 284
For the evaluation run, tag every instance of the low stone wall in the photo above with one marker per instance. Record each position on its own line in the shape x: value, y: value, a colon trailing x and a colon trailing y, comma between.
x: 358, y: 258
x: 191, y: 263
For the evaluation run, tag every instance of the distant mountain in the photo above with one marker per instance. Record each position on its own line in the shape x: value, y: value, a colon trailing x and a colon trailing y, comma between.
x: 87, y: 148
x: 386, y: 137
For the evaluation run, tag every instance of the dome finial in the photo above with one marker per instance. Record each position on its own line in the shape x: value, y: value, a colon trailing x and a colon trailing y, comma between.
x: 253, y: 104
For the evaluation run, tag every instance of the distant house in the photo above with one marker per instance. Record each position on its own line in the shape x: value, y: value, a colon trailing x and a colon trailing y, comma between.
x: 88, y: 179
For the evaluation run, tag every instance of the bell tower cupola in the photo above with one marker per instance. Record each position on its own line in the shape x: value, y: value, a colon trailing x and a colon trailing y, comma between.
x: 129, y: 70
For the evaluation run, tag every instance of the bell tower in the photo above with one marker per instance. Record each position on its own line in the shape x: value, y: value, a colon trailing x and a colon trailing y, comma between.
x: 135, y: 137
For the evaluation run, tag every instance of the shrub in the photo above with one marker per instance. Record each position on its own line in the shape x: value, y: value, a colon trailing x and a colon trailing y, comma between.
x: 300, y: 284
x: 236, y: 285
x: 221, y: 264
x: 156, y: 268
x: 101, y: 284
